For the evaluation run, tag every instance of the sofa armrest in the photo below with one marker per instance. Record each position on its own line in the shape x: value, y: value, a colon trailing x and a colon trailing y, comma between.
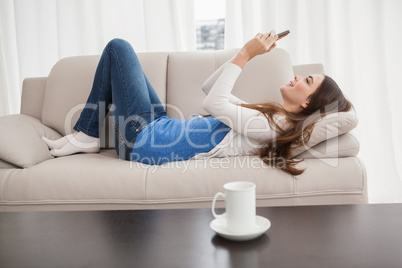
x: 345, y: 145
x: 33, y: 94
x: 6, y: 165
x: 20, y: 140
x: 306, y: 69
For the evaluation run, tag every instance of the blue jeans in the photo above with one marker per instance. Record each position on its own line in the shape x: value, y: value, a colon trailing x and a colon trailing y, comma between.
x: 120, y: 85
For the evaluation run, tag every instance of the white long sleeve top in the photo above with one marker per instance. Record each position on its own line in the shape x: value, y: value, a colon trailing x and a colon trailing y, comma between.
x: 250, y: 129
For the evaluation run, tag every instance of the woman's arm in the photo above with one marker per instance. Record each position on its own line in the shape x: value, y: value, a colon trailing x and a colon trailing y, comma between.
x: 246, y: 121
x: 209, y: 83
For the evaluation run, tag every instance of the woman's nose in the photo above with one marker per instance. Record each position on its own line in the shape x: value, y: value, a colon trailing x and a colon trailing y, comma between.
x: 297, y: 78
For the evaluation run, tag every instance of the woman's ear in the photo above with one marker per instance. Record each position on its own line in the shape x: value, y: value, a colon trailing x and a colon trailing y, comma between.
x: 304, y: 105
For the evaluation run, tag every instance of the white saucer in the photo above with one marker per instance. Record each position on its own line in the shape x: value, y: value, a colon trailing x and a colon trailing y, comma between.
x: 262, y: 225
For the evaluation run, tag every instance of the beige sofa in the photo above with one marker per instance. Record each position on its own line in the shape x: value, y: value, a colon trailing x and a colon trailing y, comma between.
x: 32, y: 179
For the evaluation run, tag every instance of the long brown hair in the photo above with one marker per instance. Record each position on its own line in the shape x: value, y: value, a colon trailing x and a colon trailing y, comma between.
x: 327, y: 98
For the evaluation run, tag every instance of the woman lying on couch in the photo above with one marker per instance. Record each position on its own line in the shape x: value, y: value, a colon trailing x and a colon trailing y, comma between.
x: 144, y: 133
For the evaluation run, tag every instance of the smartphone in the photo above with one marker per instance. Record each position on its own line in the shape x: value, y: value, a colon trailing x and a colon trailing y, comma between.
x: 283, y: 33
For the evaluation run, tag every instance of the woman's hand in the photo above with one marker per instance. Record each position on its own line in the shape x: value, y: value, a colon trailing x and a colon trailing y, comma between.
x: 260, y: 44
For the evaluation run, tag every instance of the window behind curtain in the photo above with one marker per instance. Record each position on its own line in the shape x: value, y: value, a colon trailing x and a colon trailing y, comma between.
x: 210, y: 24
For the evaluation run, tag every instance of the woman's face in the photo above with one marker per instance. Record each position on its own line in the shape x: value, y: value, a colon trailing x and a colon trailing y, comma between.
x: 295, y: 94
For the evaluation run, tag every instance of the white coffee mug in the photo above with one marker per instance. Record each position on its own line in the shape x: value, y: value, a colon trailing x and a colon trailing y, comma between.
x: 240, y: 206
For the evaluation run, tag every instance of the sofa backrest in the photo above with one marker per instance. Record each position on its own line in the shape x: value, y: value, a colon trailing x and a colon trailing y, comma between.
x: 177, y: 78
x: 259, y: 81
x: 70, y: 81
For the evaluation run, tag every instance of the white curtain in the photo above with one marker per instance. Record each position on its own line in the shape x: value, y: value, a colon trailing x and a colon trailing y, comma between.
x: 360, y: 45
x: 35, y: 34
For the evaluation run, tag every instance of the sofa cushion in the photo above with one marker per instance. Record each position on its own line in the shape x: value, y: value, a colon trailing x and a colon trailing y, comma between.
x: 198, y: 180
x: 340, y: 146
x: 6, y: 165
x: 259, y: 81
x: 67, y: 90
x: 20, y: 140
x: 33, y: 94
x: 86, y: 179
x: 79, y: 178
x: 326, y: 128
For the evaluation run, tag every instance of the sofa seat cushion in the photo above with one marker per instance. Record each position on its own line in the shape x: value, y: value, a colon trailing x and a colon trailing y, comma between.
x: 199, y: 180
x: 105, y: 179
x: 82, y: 178
x: 20, y: 140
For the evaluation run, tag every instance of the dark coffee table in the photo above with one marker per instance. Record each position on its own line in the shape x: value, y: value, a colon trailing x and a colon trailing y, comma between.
x: 313, y: 236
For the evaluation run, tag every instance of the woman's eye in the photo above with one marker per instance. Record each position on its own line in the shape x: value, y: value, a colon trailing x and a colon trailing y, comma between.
x: 307, y: 80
